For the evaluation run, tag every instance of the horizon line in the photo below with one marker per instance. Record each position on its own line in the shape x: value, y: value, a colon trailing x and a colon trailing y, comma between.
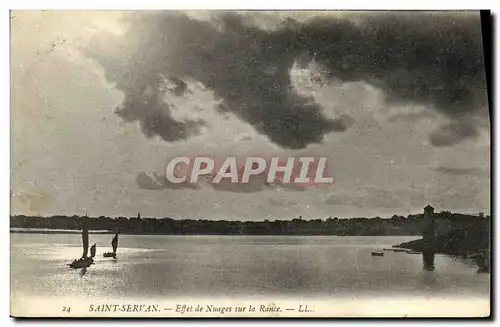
x: 474, y: 214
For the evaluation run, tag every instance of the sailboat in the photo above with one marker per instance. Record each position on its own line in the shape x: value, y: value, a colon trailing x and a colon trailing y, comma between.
x: 85, y: 261
x: 114, y: 244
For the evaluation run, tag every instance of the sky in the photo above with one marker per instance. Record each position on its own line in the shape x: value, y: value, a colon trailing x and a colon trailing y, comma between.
x: 102, y: 100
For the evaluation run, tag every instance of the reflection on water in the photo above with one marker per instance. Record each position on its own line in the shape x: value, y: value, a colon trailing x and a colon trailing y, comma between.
x: 428, y: 260
x: 429, y: 280
x: 170, y: 266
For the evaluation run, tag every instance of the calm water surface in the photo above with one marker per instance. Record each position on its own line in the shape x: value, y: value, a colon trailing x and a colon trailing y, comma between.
x: 170, y: 266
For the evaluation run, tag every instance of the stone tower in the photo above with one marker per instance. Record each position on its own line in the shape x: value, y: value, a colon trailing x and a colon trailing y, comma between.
x: 429, y: 232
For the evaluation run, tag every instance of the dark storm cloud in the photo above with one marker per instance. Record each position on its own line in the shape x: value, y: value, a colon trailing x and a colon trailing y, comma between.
x: 245, y: 67
x: 429, y: 59
x: 423, y: 58
x: 453, y: 133
x: 257, y: 183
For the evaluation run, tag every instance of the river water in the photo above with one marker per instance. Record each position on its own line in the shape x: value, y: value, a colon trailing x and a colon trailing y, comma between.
x: 225, y: 266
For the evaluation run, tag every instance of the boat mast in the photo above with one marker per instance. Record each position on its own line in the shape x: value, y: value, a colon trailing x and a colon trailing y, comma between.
x: 85, y: 237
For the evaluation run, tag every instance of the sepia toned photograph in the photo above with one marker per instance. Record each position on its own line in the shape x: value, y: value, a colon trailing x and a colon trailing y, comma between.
x: 278, y: 164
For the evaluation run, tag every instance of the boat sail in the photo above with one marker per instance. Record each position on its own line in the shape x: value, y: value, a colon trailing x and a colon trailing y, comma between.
x: 114, y: 244
x: 92, y: 251
x: 84, y: 261
x: 85, y: 240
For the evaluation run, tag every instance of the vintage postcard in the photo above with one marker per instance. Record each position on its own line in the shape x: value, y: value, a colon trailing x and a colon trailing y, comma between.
x: 249, y: 164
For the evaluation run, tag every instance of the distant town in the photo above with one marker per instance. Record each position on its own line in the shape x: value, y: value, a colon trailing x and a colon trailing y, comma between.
x: 396, y: 225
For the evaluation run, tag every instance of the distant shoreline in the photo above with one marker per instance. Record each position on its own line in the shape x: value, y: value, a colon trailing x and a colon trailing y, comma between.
x: 397, y: 225
x: 54, y: 231
x: 62, y: 231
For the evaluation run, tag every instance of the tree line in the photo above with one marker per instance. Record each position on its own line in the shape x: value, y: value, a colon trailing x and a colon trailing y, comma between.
x: 396, y: 225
